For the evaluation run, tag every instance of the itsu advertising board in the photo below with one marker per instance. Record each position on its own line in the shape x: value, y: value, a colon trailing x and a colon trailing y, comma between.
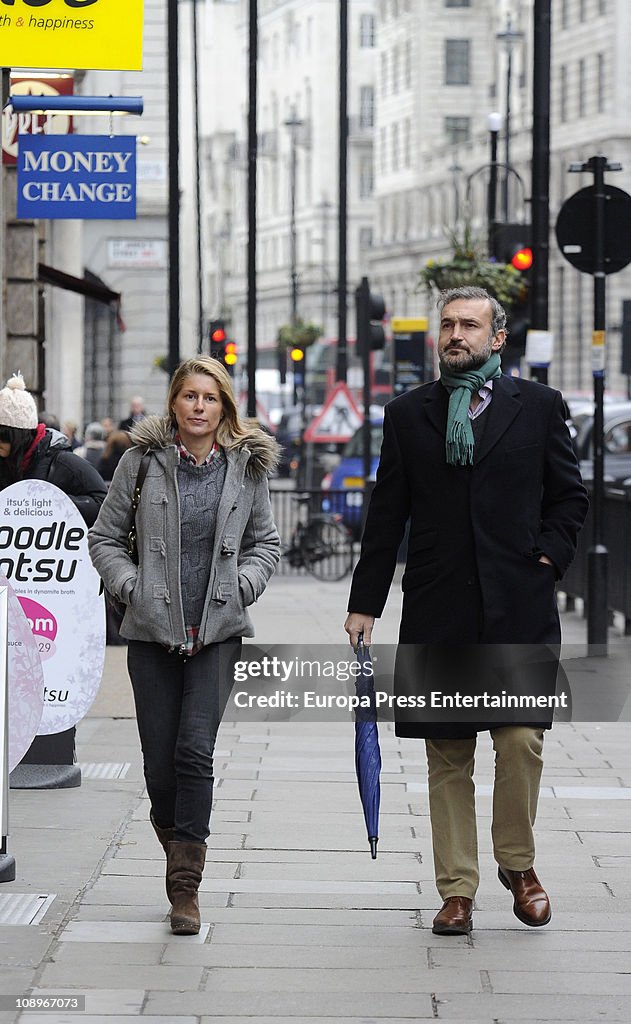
x: 44, y: 556
x: 100, y: 34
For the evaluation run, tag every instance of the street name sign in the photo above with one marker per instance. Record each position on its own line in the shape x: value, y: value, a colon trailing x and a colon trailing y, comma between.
x: 103, y: 35
x: 84, y: 177
x: 575, y: 229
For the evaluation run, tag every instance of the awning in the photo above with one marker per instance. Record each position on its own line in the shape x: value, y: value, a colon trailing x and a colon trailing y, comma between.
x: 91, y: 286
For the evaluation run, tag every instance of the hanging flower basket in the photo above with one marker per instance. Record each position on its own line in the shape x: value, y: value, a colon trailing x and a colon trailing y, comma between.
x: 468, y: 265
x: 298, y: 335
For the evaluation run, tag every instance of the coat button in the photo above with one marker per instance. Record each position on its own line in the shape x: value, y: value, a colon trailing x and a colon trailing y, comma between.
x: 471, y: 582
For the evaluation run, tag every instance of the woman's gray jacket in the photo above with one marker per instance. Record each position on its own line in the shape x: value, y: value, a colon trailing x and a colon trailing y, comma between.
x: 246, y: 547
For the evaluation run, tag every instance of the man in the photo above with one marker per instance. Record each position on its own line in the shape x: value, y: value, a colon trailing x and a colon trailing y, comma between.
x: 136, y: 413
x: 482, y: 466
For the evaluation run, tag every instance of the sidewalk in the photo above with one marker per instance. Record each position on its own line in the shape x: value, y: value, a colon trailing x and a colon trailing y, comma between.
x: 300, y: 925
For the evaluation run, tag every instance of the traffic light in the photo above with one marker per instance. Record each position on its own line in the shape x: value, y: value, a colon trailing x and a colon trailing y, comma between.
x: 230, y: 354
x: 296, y: 354
x: 371, y: 310
x: 513, y: 247
x: 218, y: 338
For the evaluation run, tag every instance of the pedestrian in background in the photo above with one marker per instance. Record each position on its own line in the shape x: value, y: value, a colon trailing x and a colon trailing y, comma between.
x: 136, y: 413
x: 69, y: 428
x: 93, y: 444
x: 116, y: 445
x: 31, y: 451
x: 207, y: 546
x: 482, y: 466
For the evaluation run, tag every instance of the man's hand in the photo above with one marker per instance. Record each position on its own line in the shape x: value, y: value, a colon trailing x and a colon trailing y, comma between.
x: 356, y: 623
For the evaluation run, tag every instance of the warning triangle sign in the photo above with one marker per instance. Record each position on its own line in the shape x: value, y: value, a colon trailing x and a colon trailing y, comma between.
x: 338, y: 420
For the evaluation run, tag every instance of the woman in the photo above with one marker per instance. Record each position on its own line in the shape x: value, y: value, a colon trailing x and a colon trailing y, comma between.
x: 117, y: 443
x: 31, y: 451
x: 207, y: 546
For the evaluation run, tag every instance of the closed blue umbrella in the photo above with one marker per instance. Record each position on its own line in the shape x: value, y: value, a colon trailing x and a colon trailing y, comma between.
x: 367, y: 752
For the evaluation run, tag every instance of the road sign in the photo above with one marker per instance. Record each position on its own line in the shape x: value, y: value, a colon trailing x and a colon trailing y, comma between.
x: 575, y: 229
x: 338, y: 420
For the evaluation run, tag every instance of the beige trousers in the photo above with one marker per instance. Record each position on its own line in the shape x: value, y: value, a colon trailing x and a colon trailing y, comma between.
x: 518, y: 766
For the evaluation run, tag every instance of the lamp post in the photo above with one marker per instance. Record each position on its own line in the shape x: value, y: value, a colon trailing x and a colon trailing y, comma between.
x: 509, y: 37
x: 494, y: 124
x: 293, y: 123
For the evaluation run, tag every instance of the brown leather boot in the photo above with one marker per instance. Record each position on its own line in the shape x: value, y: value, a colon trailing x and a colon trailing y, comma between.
x: 185, y: 866
x: 165, y: 836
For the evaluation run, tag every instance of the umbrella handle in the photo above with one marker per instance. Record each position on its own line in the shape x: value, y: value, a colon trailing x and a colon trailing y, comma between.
x: 360, y: 642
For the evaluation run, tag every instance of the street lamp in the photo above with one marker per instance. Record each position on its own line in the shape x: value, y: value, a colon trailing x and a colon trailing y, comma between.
x: 494, y: 122
x: 293, y: 123
x: 510, y: 37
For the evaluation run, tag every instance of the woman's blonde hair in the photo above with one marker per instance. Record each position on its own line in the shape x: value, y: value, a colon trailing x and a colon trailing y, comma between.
x: 232, y: 428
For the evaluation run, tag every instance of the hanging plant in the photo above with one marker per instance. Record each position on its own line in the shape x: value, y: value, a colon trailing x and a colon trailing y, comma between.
x: 298, y: 335
x: 470, y: 265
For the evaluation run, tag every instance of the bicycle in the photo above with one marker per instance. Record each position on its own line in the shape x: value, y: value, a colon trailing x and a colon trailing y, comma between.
x: 320, y: 543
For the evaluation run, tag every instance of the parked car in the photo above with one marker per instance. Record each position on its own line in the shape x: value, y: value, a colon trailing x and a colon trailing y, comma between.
x: 348, y: 475
x: 616, y: 442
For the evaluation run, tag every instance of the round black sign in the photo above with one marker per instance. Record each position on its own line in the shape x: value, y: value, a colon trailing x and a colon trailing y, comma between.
x: 575, y: 229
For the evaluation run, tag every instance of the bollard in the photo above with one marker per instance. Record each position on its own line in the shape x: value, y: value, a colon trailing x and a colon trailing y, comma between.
x: 7, y: 862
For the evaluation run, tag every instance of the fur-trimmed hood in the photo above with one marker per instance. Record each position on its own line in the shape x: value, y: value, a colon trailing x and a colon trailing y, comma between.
x: 263, y: 449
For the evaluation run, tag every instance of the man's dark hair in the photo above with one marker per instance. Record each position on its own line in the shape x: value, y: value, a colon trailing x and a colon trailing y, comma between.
x: 470, y: 291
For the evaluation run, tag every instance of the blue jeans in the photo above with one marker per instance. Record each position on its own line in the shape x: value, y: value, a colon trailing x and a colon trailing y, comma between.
x: 179, y: 705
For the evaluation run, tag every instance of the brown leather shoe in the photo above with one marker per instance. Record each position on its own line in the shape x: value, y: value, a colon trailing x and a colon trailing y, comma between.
x: 455, y: 917
x: 531, y: 905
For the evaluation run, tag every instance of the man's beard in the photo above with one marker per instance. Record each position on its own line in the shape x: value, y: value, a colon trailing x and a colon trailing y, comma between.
x: 465, y: 362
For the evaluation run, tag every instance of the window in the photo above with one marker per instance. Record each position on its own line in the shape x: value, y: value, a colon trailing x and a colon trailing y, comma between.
x: 366, y: 182
x: 384, y: 73
x: 581, y: 87
x: 367, y: 31
x: 457, y: 56
x: 457, y: 3
x: 582, y: 10
x: 457, y: 130
x: 564, y: 13
x: 395, y: 69
x: 600, y: 82
x: 383, y: 149
x: 407, y: 142
x: 366, y: 106
x: 563, y: 93
x: 408, y: 64
x: 394, y: 155
x: 365, y: 238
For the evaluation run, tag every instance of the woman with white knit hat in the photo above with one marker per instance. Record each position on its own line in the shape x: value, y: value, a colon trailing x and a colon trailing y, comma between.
x: 31, y: 451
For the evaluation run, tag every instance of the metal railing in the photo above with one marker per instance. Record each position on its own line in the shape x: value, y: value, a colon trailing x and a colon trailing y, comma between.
x: 346, y: 505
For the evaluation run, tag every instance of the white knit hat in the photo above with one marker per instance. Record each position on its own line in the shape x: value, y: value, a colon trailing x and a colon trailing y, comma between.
x: 17, y: 406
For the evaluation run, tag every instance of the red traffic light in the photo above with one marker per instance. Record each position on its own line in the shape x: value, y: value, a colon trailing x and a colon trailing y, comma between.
x: 522, y: 259
x: 218, y: 336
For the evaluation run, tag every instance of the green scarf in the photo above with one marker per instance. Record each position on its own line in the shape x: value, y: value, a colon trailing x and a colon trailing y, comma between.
x: 459, y: 442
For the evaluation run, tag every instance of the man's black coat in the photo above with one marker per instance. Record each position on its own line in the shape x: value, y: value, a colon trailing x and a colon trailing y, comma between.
x: 472, y: 574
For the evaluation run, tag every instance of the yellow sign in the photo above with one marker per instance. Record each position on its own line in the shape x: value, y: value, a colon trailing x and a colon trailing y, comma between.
x: 99, y: 34
x: 408, y: 325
